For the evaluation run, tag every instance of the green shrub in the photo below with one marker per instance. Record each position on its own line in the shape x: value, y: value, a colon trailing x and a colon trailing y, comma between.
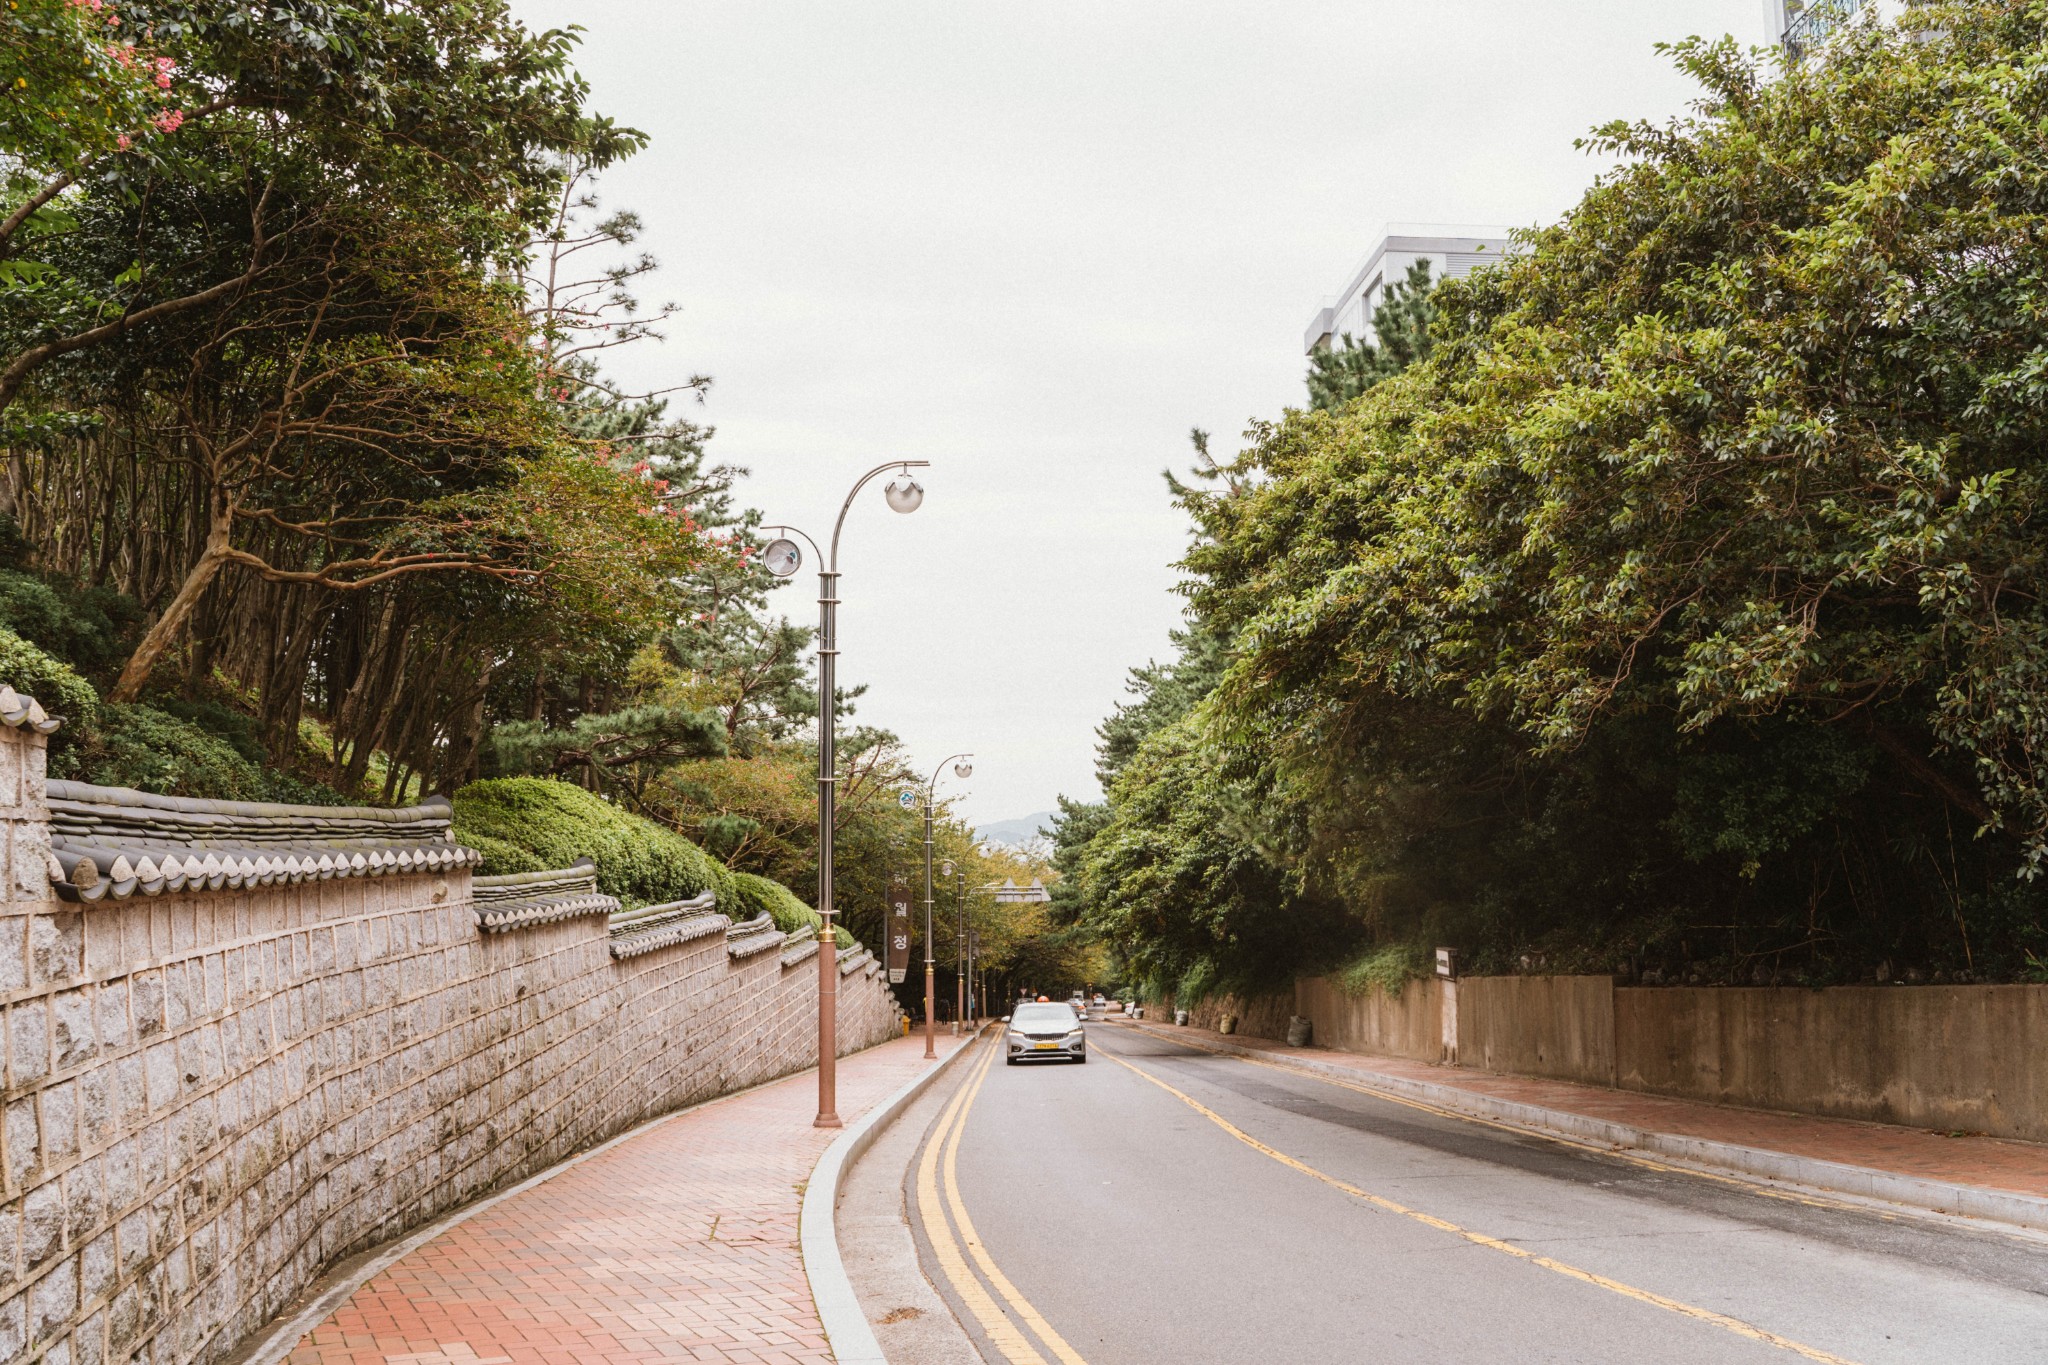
x: 87, y: 627
x: 153, y: 751
x: 752, y: 894
x: 62, y: 692
x: 524, y: 824
x: 144, y: 748
x: 501, y: 856
x: 220, y: 720
x: 1389, y: 968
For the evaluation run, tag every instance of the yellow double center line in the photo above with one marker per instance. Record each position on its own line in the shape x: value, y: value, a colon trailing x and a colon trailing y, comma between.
x: 940, y: 1163
x: 1706, y: 1315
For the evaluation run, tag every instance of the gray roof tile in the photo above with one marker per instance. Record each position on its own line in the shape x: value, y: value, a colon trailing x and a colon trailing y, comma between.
x: 517, y: 900
x: 118, y: 842
x: 634, y: 932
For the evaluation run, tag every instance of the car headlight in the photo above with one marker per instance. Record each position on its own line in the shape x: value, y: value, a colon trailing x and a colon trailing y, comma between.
x: 1017, y: 1037
x: 1076, y: 1036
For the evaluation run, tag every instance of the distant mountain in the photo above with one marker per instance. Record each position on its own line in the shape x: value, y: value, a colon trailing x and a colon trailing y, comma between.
x: 1017, y: 833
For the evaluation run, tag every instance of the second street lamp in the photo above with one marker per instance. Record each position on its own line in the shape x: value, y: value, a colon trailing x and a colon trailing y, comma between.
x: 961, y: 768
x: 783, y: 557
x: 960, y: 901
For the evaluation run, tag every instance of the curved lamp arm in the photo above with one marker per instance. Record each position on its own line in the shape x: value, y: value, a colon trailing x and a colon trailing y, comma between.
x: 937, y: 773
x: 832, y: 565
x: 798, y: 530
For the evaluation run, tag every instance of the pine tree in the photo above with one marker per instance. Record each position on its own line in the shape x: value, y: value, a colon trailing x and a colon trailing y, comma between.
x: 1401, y: 323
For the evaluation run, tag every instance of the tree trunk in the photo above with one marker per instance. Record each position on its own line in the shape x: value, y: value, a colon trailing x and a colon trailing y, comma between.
x: 164, y: 630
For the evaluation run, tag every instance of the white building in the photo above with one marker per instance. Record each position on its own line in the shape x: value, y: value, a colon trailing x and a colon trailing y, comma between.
x: 1450, y: 250
x: 1802, y: 24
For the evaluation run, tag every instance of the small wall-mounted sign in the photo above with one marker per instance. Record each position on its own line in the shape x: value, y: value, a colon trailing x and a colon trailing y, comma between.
x: 1447, y: 963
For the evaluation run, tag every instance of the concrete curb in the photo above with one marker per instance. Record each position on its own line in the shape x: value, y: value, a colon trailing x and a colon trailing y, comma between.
x: 846, y: 1326
x: 1835, y: 1177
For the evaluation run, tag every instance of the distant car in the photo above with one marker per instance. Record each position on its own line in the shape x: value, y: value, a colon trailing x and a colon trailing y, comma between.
x: 1044, y: 1032
x: 1098, y: 1000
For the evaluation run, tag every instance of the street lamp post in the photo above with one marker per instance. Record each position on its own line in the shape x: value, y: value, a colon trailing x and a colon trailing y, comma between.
x: 960, y: 900
x: 784, y: 558
x: 961, y: 768
x: 959, y: 964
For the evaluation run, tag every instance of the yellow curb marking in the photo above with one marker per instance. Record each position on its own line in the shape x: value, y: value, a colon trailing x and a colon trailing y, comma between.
x: 1706, y: 1315
x: 1067, y: 1354
x: 946, y: 1250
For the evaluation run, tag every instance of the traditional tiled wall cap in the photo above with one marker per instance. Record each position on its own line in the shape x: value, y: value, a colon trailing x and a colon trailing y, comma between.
x: 757, y: 935
x: 800, y: 946
x: 18, y: 710
x: 516, y: 900
x: 114, y: 841
x: 634, y: 932
x: 854, y: 958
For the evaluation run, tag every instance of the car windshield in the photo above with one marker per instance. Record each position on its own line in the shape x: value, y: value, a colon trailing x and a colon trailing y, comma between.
x: 1043, y: 1017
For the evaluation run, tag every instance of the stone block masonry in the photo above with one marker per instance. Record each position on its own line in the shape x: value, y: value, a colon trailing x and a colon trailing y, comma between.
x: 221, y: 1079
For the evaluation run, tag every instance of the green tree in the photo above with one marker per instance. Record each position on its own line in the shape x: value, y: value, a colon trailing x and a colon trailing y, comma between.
x: 1681, y: 611
x: 1401, y: 324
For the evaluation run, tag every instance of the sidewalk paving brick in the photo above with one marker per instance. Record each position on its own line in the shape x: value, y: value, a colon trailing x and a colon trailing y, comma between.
x: 678, y: 1245
x: 1972, y: 1159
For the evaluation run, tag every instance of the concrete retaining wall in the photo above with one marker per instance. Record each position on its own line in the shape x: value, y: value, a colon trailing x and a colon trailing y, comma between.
x: 1262, y: 1016
x: 1948, y: 1057
x: 1404, y: 1025
x: 1970, y: 1058
x: 1561, y: 1026
x: 210, y: 1097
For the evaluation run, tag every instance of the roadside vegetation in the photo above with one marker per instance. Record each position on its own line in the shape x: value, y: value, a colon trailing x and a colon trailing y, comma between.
x: 1668, y: 600
x: 317, y: 487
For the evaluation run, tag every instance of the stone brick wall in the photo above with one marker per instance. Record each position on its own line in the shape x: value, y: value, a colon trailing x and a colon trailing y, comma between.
x: 210, y: 1097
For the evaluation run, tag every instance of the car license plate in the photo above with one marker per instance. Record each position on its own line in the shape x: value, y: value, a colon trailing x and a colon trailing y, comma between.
x: 1043, y: 1047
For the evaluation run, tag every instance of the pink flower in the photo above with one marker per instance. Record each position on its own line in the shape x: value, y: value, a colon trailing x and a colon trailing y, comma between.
x: 169, y: 121
x: 123, y: 142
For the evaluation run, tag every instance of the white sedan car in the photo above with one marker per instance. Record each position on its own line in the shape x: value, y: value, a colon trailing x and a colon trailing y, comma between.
x: 1042, y: 1031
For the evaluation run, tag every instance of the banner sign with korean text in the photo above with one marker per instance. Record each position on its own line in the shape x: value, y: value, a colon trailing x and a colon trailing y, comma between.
x: 899, y: 933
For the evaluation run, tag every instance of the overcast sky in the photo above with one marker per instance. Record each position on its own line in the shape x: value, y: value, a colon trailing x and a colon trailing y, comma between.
x: 1035, y: 243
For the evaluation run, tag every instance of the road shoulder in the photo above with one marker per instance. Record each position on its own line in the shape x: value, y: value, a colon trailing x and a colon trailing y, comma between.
x: 909, y: 1318
x: 1854, y: 1167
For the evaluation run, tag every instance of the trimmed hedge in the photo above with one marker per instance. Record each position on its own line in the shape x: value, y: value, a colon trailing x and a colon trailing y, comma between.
x: 529, y: 824
x: 755, y: 894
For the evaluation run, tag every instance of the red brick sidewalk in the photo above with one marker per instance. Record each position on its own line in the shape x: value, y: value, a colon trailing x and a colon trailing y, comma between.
x: 677, y: 1245
x: 1991, y: 1163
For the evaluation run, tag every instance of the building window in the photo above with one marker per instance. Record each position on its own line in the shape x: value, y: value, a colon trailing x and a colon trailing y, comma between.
x: 1809, y: 22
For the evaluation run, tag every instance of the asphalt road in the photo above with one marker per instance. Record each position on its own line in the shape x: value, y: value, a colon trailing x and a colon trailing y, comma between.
x: 1090, y: 1214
